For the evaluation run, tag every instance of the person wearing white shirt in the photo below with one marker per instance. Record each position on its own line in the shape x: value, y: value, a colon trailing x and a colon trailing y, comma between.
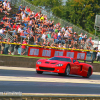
x: 44, y: 36
x: 63, y: 29
x: 67, y: 31
x: 19, y: 29
x: 4, y: 4
x: 2, y: 31
x: 33, y: 13
x: 59, y: 33
x: 23, y: 16
x: 59, y: 45
x: 66, y: 35
x: 70, y: 29
x: 8, y: 6
x: 98, y: 56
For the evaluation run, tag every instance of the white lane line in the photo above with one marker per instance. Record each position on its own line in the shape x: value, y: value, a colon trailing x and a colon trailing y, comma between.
x: 17, y: 68
x: 29, y: 69
x: 96, y: 73
x: 42, y: 79
x: 57, y: 94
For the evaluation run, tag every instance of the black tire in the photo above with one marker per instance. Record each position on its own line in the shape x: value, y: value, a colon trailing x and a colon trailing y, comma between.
x: 67, y: 71
x: 39, y: 72
x: 61, y: 74
x: 89, y: 72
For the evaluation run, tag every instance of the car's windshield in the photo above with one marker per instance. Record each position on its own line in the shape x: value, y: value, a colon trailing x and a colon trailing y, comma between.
x: 61, y: 59
x: 74, y: 60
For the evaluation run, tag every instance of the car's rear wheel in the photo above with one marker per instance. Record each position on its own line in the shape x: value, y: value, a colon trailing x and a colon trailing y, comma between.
x: 89, y: 72
x: 39, y: 72
x: 67, y: 71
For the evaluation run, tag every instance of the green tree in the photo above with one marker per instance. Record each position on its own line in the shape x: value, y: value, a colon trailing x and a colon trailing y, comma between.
x: 47, y: 3
x: 59, y: 11
x: 53, y: 5
x: 82, y: 13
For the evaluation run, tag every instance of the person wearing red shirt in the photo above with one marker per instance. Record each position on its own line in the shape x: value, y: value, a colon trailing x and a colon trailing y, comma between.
x: 36, y: 14
x: 14, y: 26
x: 55, y: 36
x: 18, y: 26
x: 23, y: 47
x: 28, y: 10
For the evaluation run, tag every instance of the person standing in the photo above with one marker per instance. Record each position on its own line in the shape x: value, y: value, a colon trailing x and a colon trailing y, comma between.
x: 98, y: 56
x: 7, y: 45
x: 23, y: 47
x: 3, y: 46
x: 95, y: 53
x: 12, y: 46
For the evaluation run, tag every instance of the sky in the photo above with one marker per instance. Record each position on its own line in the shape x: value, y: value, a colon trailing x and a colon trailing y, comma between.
x: 64, y: 1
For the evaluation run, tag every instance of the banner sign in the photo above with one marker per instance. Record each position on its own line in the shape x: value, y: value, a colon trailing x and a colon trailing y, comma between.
x: 89, y: 56
x: 48, y: 53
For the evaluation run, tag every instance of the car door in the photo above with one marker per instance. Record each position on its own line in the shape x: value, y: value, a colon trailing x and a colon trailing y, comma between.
x: 76, y: 66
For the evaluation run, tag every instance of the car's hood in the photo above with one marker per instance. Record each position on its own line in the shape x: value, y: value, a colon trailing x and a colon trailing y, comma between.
x: 52, y: 61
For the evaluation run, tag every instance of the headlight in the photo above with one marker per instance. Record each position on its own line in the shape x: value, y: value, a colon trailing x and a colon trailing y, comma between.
x: 39, y: 62
x: 59, y: 65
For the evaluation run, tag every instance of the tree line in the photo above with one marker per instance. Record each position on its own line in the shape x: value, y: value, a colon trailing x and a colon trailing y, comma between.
x: 79, y: 12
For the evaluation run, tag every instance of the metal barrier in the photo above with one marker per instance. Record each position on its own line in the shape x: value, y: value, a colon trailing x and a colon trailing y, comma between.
x: 16, y: 49
x: 48, y: 47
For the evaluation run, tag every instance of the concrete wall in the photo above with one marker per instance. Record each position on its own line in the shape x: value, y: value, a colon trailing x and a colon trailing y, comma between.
x: 17, y: 61
x: 29, y: 62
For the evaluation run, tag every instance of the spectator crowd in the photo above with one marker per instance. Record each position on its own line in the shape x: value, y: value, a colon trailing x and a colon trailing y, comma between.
x: 28, y: 27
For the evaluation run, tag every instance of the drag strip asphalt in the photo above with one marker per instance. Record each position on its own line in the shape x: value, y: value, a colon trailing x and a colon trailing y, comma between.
x: 26, y: 80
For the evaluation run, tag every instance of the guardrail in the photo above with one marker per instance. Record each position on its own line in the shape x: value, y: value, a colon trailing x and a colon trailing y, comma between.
x: 49, y: 47
x: 90, y: 56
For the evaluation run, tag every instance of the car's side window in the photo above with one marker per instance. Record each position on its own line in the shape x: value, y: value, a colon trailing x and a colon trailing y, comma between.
x: 74, y: 60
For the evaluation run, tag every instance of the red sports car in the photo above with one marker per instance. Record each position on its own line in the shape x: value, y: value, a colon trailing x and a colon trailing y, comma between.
x: 64, y: 66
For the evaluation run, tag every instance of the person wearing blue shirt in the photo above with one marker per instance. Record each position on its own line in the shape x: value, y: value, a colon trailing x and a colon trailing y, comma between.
x: 2, y: 1
x: 80, y: 38
x: 20, y: 7
x: 26, y: 33
x: 25, y: 24
x: 14, y: 34
x: 58, y: 37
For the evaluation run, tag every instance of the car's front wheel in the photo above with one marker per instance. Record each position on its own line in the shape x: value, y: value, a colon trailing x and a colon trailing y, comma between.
x: 67, y: 71
x: 39, y: 72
